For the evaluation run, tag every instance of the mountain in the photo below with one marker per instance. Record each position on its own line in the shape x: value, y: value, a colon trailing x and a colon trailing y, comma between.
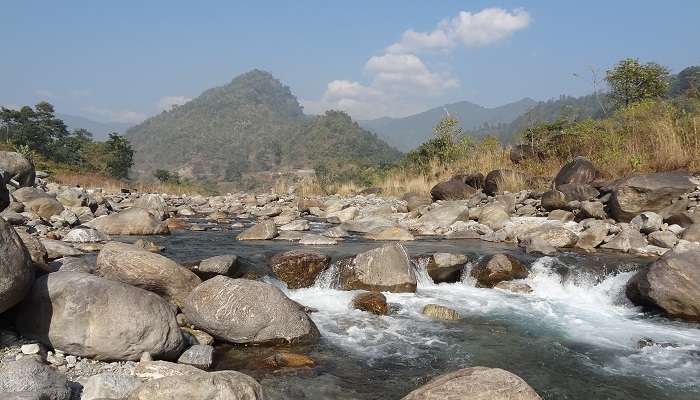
x: 99, y: 130
x: 250, y: 126
x: 409, y: 132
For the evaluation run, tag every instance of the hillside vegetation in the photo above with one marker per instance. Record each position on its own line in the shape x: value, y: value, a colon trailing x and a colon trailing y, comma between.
x: 248, y: 129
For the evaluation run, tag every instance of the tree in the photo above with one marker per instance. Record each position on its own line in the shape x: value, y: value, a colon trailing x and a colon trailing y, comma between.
x: 120, y: 156
x: 686, y: 83
x: 631, y: 81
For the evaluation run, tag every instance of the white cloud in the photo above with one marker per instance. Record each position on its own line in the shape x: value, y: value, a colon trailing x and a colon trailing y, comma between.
x: 125, y: 116
x: 166, y: 103
x: 468, y: 29
x: 400, y: 82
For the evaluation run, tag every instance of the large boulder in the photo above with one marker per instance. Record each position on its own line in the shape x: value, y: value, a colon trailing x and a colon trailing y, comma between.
x: 500, y: 267
x: 221, y: 385
x: 132, y: 221
x: 73, y: 197
x: 444, y: 216
x: 261, y: 231
x: 554, y: 235
x: 458, y: 187
x: 651, y: 192
x: 579, y: 170
x: 672, y: 283
x: 109, y: 386
x: 38, y: 202
x: 384, y: 269
x: 248, y: 312
x: 299, y: 268
x: 154, y: 204
x: 415, y: 201
x: 553, y: 200
x: 373, y: 302
x: 138, y: 267
x: 501, y: 180
x: 17, y: 168
x: 89, y: 316
x: 476, y: 383
x: 29, y: 379
x: 16, y: 271
x: 445, y: 267
x: 578, y: 191
x: 494, y: 216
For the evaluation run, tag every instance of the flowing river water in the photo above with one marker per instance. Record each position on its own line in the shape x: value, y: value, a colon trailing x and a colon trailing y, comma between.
x: 575, y: 337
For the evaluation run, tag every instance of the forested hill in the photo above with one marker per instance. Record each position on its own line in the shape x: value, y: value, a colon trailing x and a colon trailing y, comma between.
x: 250, y: 125
x: 409, y: 132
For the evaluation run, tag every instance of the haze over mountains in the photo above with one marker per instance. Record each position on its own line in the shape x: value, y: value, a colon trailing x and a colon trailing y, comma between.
x: 253, y: 124
x: 409, y: 132
x: 99, y: 130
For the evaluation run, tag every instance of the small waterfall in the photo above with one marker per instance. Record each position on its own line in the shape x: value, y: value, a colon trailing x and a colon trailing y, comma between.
x: 420, y: 270
x: 329, y: 278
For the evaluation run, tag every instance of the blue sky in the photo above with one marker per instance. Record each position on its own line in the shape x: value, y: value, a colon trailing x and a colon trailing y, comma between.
x: 124, y: 61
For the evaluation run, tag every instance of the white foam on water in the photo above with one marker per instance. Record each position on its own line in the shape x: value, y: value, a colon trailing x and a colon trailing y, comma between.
x: 586, y: 310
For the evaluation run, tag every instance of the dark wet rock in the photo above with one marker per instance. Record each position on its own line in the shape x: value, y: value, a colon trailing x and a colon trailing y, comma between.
x: 446, y: 267
x: 579, y: 170
x: 459, y: 187
x: 132, y: 221
x: 475, y: 383
x: 261, y: 231
x: 128, y: 264
x: 373, y: 302
x: 30, y: 379
x: 650, y: 192
x: 386, y: 268
x: 553, y: 200
x: 246, y: 311
x: 672, y: 283
x: 299, y: 268
x: 501, y: 179
x: 578, y: 192
x: 224, y: 385
x: 16, y: 271
x: 437, y: 311
x: 286, y: 359
x: 497, y: 268
x: 115, y: 321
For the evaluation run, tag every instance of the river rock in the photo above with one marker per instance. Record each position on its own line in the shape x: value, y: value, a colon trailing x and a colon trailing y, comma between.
x: 312, y: 239
x: 128, y: 264
x: 444, y: 216
x: 132, y: 221
x: 692, y: 233
x: 578, y: 192
x: 38, y: 202
x: 367, y: 224
x: 336, y: 232
x: 497, y: 268
x: 476, y: 383
x: 73, y: 197
x: 494, y: 216
x: 12, y: 217
x: 628, y: 239
x: 650, y: 192
x: 390, y: 233
x: 247, y: 311
x: 456, y: 188
x: 593, y: 209
x: 200, y: 356
x: 647, y: 222
x: 441, y: 312
x: 592, y: 237
x: 29, y: 379
x: 515, y: 287
x: 222, y: 385
x: 384, y: 269
x: 58, y: 249
x: 446, y: 267
x: 154, y: 204
x: 37, y: 251
x: 261, y: 231
x: 85, y: 235
x: 150, y: 370
x: 296, y: 225
x: 226, y: 265
x: 414, y: 201
x: 665, y: 239
x: 109, y: 386
x: 373, y: 302
x: 553, y: 200
x: 579, y: 170
x: 556, y: 236
x: 672, y: 283
x: 500, y: 180
x: 299, y: 268
x: 115, y: 321
x: 538, y: 245
x: 561, y: 215
x: 344, y: 215
x: 18, y: 168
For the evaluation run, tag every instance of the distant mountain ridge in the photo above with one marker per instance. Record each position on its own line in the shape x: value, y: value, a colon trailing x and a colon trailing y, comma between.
x: 409, y: 132
x: 99, y: 130
x: 251, y: 125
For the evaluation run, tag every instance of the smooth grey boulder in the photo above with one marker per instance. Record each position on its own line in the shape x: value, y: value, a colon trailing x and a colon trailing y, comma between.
x: 154, y: 204
x: 37, y: 251
x: 198, y: 355
x: 476, y: 383
x: 132, y: 221
x: 647, y: 222
x: 385, y: 268
x: 85, y: 235
x: 592, y: 237
x: 219, y: 265
x: 556, y: 236
x: 665, y: 239
x: 38, y: 202
x: 73, y: 197
x: 444, y: 216
x: 650, y: 192
x: 138, y: 267
x: 74, y: 264
x: 109, y: 386
x: 261, y: 231
x: 578, y: 192
x: 390, y: 233
x: 28, y: 378
x: 12, y: 217
x: 579, y: 170
x: 58, y: 249
x: 222, y: 385
x: 494, y: 216
x: 366, y: 224
x: 89, y: 316
x: 628, y: 239
x: 672, y: 283
x: 553, y: 200
x: 16, y: 271
x: 247, y: 311
x: 18, y: 168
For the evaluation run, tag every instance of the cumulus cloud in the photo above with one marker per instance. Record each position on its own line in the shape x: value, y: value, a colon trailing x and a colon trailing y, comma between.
x: 167, y: 103
x: 125, y: 116
x: 400, y: 81
x: 468, y: 29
